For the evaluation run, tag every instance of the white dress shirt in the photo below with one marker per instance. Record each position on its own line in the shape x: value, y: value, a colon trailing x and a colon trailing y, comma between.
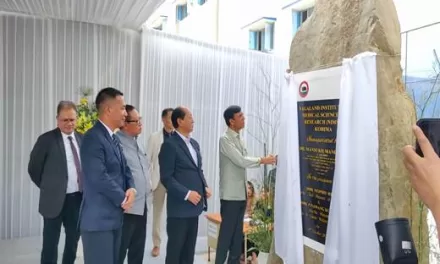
x: 108, y: 129
x: 72, y: 174
x: 192, y: 151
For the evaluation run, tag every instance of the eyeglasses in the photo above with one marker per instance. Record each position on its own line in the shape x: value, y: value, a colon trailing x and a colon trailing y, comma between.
x: 138, y: 122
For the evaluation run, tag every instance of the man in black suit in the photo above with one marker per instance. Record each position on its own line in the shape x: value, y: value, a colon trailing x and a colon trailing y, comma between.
x: 55, y: 168
x: 181, y: 173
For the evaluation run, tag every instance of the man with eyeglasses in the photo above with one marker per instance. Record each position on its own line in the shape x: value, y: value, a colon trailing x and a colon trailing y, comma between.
x: 55, y: 168
x: 135, y: 219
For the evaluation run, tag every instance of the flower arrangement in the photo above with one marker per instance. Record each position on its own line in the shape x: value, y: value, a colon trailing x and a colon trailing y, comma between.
x: 87, y: 113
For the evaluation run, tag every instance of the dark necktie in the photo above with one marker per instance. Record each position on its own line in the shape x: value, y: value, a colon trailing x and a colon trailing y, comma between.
x: 117, y: 144
x: 76, y: 161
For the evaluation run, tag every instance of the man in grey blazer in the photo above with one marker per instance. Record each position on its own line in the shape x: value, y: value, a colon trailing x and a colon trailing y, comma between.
x: 134, y: 228
x: 234, y: 161
x: 55, y: 168
x: 159, y: 192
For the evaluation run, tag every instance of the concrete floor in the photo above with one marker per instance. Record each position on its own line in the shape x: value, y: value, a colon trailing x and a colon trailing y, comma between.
x: 27, y: 250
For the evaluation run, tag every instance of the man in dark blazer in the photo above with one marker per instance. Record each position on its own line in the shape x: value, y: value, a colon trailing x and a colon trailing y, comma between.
x: 181, y: 173
x: 55, y: 169
x: 108, y: 186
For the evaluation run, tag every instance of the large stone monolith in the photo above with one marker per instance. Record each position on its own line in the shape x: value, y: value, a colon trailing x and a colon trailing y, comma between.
x: 342, y: 29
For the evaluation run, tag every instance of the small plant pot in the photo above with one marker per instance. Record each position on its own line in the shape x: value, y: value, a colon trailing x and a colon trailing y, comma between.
x: 263, y: 257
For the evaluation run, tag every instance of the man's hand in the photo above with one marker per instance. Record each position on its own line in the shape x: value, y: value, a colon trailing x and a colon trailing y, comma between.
x: 194, y: 197
x: 424, y: 171
x: 208, y: 192
x: 270, y: 159
x: 130, y: 195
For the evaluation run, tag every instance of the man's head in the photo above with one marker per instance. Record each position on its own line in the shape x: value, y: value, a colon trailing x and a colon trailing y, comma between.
x: 166, y: 118
x: 66, y: 117
x: 111, y: 107
x: 133, y: 122
x: 182, y: 119
x: 234, y: 118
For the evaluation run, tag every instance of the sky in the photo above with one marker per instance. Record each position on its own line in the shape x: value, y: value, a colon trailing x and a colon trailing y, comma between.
x: 421, y: 43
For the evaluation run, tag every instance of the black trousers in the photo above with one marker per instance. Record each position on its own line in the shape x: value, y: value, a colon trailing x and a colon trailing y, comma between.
x: 134, y: 233
x: 52, y: 228
x: 182, y: 238
x: 230, y: 236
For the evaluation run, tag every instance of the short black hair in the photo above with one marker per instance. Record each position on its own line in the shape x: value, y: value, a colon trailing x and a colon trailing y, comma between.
x: 166, y: 111
x: 178, y: 113
x: 106, y: 94
x: 229, y: 113
x: 65, y: 105
x: 129, y: 109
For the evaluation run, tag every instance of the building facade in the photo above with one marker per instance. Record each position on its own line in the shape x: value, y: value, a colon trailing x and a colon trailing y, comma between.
x: 262, y: 25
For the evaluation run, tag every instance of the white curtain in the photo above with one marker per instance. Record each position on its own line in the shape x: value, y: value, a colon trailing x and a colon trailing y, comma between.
x: 43, y: 61
x: 354, y: 208
x: 208, y: 78
x: 288, y: 215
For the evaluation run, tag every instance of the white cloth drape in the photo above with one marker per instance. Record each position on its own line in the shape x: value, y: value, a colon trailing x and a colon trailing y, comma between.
x: 288, y: 220
x: 351, y: 235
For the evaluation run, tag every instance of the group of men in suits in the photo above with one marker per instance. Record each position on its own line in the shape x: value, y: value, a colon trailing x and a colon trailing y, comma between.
x: 86, y: 184
x: 96, y: 185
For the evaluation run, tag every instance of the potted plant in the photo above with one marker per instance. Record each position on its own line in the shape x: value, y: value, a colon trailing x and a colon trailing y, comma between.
x: 262, y: 222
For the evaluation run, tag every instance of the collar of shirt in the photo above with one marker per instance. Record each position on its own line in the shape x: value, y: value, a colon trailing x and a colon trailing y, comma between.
x: 108, y: 129
x: 186, y: 139
x: 125, y: 135
x: 66, y: 136
x: 232, y: 133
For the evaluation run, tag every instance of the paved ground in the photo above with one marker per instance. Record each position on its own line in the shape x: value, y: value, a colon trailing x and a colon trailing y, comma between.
x: 27, y: 250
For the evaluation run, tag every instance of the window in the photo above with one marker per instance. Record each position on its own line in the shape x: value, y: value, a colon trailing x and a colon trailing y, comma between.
x: 201, y: 2
x: 299, y: 17
x: 262, y: 39
x: 182, y: 12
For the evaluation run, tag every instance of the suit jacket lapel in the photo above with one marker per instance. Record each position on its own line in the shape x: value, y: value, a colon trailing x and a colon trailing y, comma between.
x: 185, y: 149
x: 78, y: 140
x: 109, y: 139
x: 199, y: 157
x: 60, y: 143
x: 62, y: 149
